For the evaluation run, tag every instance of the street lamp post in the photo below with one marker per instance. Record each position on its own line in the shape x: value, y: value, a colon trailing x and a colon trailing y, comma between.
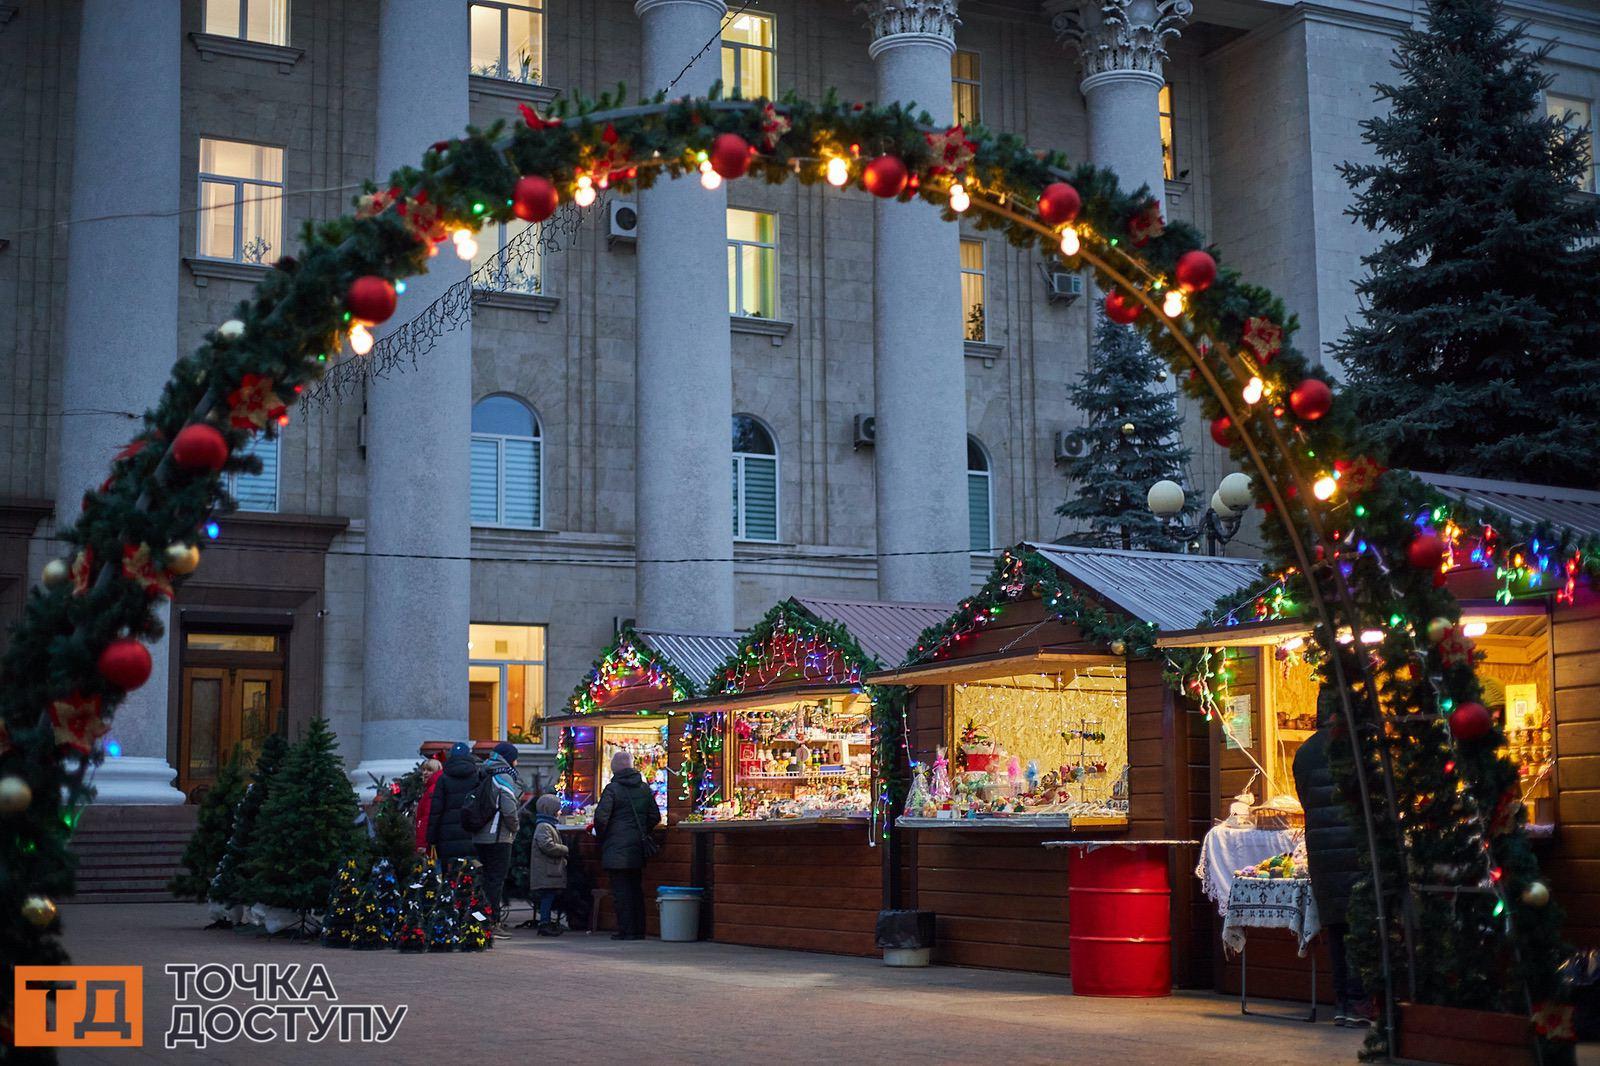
x: 1220, y: 521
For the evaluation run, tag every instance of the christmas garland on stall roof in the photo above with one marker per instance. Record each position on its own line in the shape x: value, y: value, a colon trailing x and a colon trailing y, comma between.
x: 80, y: 646
x: 627, y: 654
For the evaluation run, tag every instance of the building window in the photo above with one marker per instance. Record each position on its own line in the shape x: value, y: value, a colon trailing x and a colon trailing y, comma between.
x: 966, y: 88
x: 755, y: 481
x: 241, y: 201
x: 257, y: 492
x: 1169, y: 153
x: 749, y: 56
x: 507, y: 453
x: 515, y: 271
x: 980, y: 497
x: 1576, y: 114
x: 752, y: 263
x: 505, y: 682
x: 508, y: 41
x: 972, y: 316
x: 262, y: 21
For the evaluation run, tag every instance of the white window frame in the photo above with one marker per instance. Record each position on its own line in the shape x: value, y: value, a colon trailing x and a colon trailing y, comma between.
x: 1569, y: 102
x: 988, y: 492
x: 738, y: 48
x: 499, y: 441
x: 244, y: 21
x: 975, y: 83
x: 981, y: 273
x: 1167, y: 115
x: 230, y: 480
x: 535, y: 7
x: 503, y: 688
x: 736, y: 283
x: 241, y: 187
x: 501, y: 283
x: 776, y: 458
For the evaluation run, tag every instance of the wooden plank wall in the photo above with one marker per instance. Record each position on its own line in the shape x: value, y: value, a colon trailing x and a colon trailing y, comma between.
x: 1573, y: 860
x: 669, y: 867
x: 813, y: 888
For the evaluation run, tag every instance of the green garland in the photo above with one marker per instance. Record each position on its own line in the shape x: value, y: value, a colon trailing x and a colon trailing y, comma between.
x: 627, y: 653
x: 786, y: 627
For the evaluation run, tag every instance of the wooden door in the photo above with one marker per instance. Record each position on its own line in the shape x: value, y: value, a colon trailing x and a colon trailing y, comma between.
x: 224, y: 706
x: 483, y: 710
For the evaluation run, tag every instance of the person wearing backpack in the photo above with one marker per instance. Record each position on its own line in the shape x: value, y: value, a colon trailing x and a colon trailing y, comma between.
x: 493, y: 816
x: 447, y: 835
x: 623, y: 820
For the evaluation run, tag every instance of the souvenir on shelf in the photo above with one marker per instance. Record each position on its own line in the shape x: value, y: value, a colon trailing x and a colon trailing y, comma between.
x: 806, y: 760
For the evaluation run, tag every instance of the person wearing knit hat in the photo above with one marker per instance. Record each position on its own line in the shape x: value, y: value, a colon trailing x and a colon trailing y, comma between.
x: 494, y: 840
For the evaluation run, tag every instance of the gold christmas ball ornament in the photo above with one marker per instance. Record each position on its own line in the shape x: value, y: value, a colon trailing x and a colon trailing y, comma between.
x: 55, y: 572
x: 39, y: 910
x: 1128, y: 429
x: 1119, y: 647
x: 1536, y: 894
x: 15, y: 795
x: 231, y: 329
x: 182, y: 558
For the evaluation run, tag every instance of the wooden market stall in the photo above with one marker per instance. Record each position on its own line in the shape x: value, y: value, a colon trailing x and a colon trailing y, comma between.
x: 783, y: 781
x: 1051, y: 723
x: 625, y: 702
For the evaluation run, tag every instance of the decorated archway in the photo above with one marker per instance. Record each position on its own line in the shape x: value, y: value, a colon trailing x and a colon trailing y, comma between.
x: 1362, y: 549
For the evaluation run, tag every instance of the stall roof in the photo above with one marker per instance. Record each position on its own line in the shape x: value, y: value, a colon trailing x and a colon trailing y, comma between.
x: 697, y: 654
x: 885, y: 631
x: 1167, y: 590
x: 1574, y: 509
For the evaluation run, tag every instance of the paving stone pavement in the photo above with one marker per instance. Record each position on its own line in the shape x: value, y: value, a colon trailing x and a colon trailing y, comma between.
x: 588, y: 999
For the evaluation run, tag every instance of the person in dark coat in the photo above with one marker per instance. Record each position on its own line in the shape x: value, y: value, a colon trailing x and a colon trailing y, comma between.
x: 1333, y: 854
x: 446, y: 835
x: 623, y: 819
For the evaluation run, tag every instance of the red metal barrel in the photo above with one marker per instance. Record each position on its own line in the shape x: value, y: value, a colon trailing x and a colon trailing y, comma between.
x: 1120, y: 921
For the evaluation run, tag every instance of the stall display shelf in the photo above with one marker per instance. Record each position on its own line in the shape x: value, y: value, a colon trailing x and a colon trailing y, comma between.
x: 1015, y: 822
x: 717, y: 825
x: 802, y: 775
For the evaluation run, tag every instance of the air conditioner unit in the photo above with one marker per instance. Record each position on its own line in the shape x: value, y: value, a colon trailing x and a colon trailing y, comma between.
x: 866, y: 432
x: 1064, y: 285
x: 1065, y: 447
x: 623, y: 216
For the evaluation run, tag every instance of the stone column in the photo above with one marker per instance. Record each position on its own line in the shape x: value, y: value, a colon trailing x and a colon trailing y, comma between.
x: 1121, y: 46
x: 919, y: 376
x: 684, y: 381
x: 121, y: 335
x: 414, y: 663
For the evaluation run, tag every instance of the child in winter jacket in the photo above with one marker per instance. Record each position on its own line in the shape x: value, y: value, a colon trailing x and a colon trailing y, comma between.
x: 547, y: 863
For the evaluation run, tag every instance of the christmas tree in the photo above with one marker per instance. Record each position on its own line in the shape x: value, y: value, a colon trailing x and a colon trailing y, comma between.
x: 228, y: 887
x: 417, y: 905
x: 394, y: 834
x: 472, y: 916
x: 213, y: 827
x: 444, y: 932
x: 339, y: 917
x: 1479, y: 349
x: 378, y: 910
x: 1132, y: 440
x: 306, y: 824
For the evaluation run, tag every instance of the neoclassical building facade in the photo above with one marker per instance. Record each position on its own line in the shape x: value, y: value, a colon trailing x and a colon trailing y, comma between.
x: 439, y: 552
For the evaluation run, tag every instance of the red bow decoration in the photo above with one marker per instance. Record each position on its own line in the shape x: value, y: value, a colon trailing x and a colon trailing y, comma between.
x: 773, y: 126
x: 80, y: 570
x: 77, y: 721
x: 139, y: 567
x: 1146, y: 223
x: 1455, y: 647
x: 422, y: 218
x: 1263, y: 337
x: 951, y: 149
x: 613, y: 160
x: 531, y: 117
x: 130, y: 449
x: 253, y: 404
x: 1553, y: 1021
x: 1358, y: 474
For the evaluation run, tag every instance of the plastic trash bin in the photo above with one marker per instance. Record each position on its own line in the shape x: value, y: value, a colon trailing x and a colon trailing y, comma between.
x: 680, y: 912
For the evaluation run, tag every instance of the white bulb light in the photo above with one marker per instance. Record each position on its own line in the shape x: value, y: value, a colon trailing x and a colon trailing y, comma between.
x: 959, y: 200
x: 1324, y: 487
x: 466, y: 247
x: 1475, y: 629
x: 1253, y: 390
x: 231, y: 329
x: 585, y: 194
x: 709, y: 178
x: 838, y: 171
x: 360, y: 339
x: 1172, y: 304
x: 1371, y: 636
x: 1069, y: 242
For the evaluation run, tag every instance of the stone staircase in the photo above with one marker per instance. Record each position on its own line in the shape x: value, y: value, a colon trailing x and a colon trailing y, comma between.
x: 127, y: 854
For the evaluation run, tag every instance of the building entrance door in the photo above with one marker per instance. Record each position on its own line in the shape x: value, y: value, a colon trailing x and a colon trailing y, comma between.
x: 232, y: 694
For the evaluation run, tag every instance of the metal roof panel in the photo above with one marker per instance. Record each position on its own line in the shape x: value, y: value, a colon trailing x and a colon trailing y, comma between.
x: 1167, y: 590
x: 1574, y: 509
x: 697, y: 654
x: 885, y: 631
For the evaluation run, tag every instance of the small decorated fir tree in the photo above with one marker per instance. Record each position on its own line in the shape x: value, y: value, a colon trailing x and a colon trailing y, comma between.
x: 340, y: 916
x: 213, y: 827
x: 378, y: 912
x: 1133, y: 439
x: 394, y: 834
x: 472, y: 914
x: 444, y: 932
x: 228, y: 888
x: 417, y: 904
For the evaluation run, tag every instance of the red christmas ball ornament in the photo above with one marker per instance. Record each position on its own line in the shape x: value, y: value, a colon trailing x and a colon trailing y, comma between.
x: 534, y: 198
x: 730, y: 155
x: 1196, y: 270
x: 885, y: 176
x: 1470, y: 721
x: 199, y: 447
x: 1310, y: 400
x: 125, y: 663
x: 371, y: 298
x: 1059, y: 204
x: 1222, y: 430
x: 1123, y: 310
x: 1426, y: 551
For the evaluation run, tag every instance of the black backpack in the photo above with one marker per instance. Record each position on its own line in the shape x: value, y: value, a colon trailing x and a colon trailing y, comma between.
x: 481, y: 804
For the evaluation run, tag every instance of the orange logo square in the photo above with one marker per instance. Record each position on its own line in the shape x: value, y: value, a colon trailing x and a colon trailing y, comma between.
x: 80, y: 1006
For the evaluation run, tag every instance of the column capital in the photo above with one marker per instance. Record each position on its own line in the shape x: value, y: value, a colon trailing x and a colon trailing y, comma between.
x: 640, y: 7
x: 1118, y: 39
x: 902, y: 22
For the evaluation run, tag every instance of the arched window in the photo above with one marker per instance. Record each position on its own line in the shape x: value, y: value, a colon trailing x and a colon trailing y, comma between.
x: 507, y: 481
x: 755, y: 481
x: 980, y: 497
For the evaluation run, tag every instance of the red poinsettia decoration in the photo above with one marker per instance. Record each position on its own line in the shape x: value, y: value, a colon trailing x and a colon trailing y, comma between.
x: 80, y: 571
x: 952, y: 150
x: 531, y: 117
x: 1553, y: 1021
x: 1147, y: 223
x: 1504, y: 817
x: 1455, y: 647
x: 1359, y: 474
x: 615, y: 159
x: 253, y: 404
x: 773, y: 126
x: 421, y: 217
x: 130, y: 449
x: 1263, y: 337
x: 78, y: 722
x: 139, y: 566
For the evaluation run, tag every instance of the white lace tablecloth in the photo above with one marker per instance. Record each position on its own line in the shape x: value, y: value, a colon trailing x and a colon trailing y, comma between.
x: 1270, y: 903
x: 1226, y: 849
